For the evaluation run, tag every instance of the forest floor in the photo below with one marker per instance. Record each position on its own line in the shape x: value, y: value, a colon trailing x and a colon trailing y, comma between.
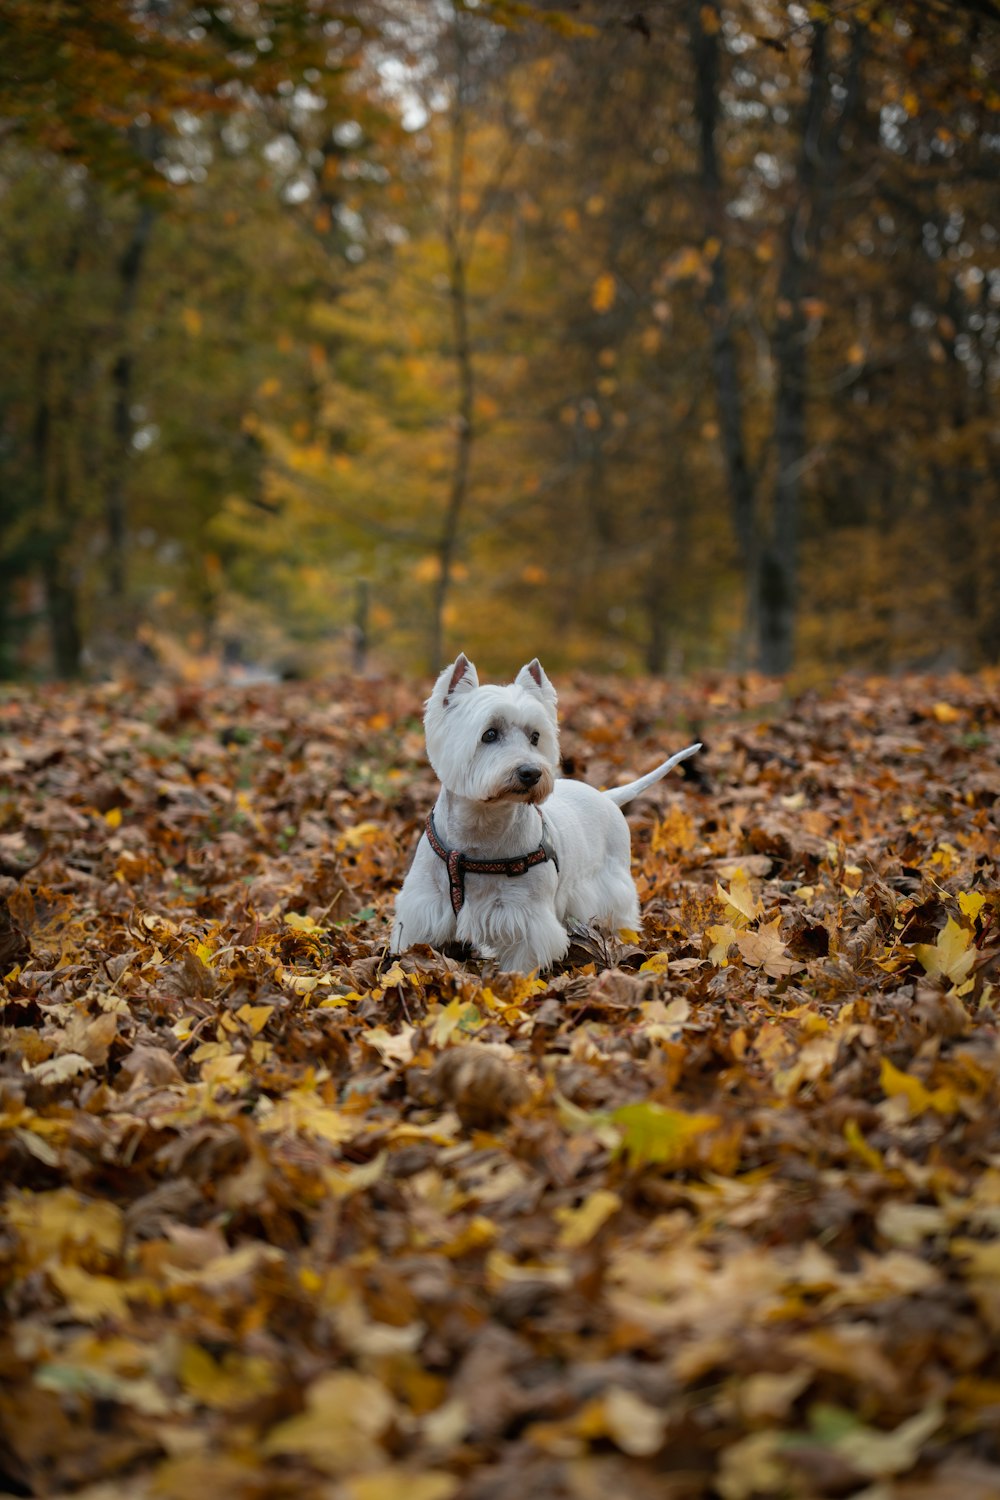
x: 711, y: 1213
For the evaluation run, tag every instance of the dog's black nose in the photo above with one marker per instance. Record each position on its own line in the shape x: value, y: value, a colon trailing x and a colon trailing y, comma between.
x: 528, y: 775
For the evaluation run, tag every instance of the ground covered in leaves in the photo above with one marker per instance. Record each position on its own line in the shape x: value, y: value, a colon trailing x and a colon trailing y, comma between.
x: 713, y: 1213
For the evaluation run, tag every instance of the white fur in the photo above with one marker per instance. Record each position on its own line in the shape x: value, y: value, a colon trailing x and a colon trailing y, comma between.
x: 486, y: 810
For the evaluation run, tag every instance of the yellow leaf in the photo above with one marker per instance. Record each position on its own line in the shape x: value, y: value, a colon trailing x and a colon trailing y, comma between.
x: 361, y: 833
x: 674, y: 833
x: 400, y: 1483
x: 753, y: 1466
x: 862, y: 1148
x: 740, y: 897
x: 502, y: 1270
x: 651, y: 1134
x: 983, y: 1257
x: 113, y: 817
x: 663, y: 1023
x: 300, y: 923
x: 631, y: 1423
x: 579, y: 1225
x: 656, y: 963
x: 302, y: 1110
x: 192, y: 320
x: 89, y: 1298
x: 770, y: 1395
x: 723, y: 937
x: 475, y: 1235
x: 522, y: 987
x: 301, y: 984
x: 945, y: 713
x: 49, y: 1222
x: 603, y: 292
x: 909, y: 1224
x: 345, y: 1181
x: 392, y: 1048
x: 231, y: 1381
x: 943, y: 1101
x: 56, y: 1070
x: 346, y: 1414
x: 971, y: 904
x: 457, y: 1015
x: 256, y: 1016
x: 685, y: 264
x: 951, y: 957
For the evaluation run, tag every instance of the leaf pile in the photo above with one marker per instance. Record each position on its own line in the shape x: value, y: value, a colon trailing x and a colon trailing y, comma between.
x: 715, y: 1212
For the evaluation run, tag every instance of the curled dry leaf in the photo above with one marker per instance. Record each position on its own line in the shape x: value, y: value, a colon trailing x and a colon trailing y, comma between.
x: 482, y: 1088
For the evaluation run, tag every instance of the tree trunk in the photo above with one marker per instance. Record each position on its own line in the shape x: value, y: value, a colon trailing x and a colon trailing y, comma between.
x: 770, y: 552
x: 704, y: 26
x: 779, y: 556
x: 360, y: 634
x: 129, y: 268
x: 59, y: 583
x: 458, y: 291
x: 62, y: 608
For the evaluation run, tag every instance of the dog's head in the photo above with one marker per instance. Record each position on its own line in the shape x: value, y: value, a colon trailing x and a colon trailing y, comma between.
x: 492, y: 743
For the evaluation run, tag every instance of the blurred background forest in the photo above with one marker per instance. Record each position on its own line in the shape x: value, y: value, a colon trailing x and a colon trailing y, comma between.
x: 645, y: 336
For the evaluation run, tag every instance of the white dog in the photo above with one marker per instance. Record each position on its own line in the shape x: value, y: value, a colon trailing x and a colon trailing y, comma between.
x: 493, y: 869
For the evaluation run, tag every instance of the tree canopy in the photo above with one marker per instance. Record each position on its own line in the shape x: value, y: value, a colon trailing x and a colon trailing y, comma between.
x: 667, y: 333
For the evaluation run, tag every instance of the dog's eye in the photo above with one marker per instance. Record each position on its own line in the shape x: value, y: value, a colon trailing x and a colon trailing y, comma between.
x: 489, y: 736
x: 534, y: 737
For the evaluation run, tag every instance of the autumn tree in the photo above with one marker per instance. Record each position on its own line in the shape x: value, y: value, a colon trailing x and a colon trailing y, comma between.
x: 113, y: 105
x: 664, y: 334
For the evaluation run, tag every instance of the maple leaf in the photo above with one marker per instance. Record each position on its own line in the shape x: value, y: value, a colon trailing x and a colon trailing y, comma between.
x: 740, y: 898
x: 951, y: 956
x: 765, y: 949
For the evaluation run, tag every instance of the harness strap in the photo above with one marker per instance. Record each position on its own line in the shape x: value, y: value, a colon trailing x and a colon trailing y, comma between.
x: 459, y: 864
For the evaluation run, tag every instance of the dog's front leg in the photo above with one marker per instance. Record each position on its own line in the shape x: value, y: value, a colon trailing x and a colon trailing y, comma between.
x: 542, y: 944
x: 423, y: 906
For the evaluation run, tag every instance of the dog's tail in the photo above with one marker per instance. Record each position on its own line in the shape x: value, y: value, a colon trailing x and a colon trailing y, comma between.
x: 619, y: 795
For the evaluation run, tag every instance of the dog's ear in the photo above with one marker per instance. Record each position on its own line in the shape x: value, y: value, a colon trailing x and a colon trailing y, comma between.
x: 459, y: 678
x: 533, y: 679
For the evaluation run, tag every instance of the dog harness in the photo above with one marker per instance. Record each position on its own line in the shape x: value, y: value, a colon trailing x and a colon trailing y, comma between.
x: 459, y: 864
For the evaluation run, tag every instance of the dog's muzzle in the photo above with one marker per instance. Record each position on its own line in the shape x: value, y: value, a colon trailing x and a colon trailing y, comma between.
x: 459, y: 864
